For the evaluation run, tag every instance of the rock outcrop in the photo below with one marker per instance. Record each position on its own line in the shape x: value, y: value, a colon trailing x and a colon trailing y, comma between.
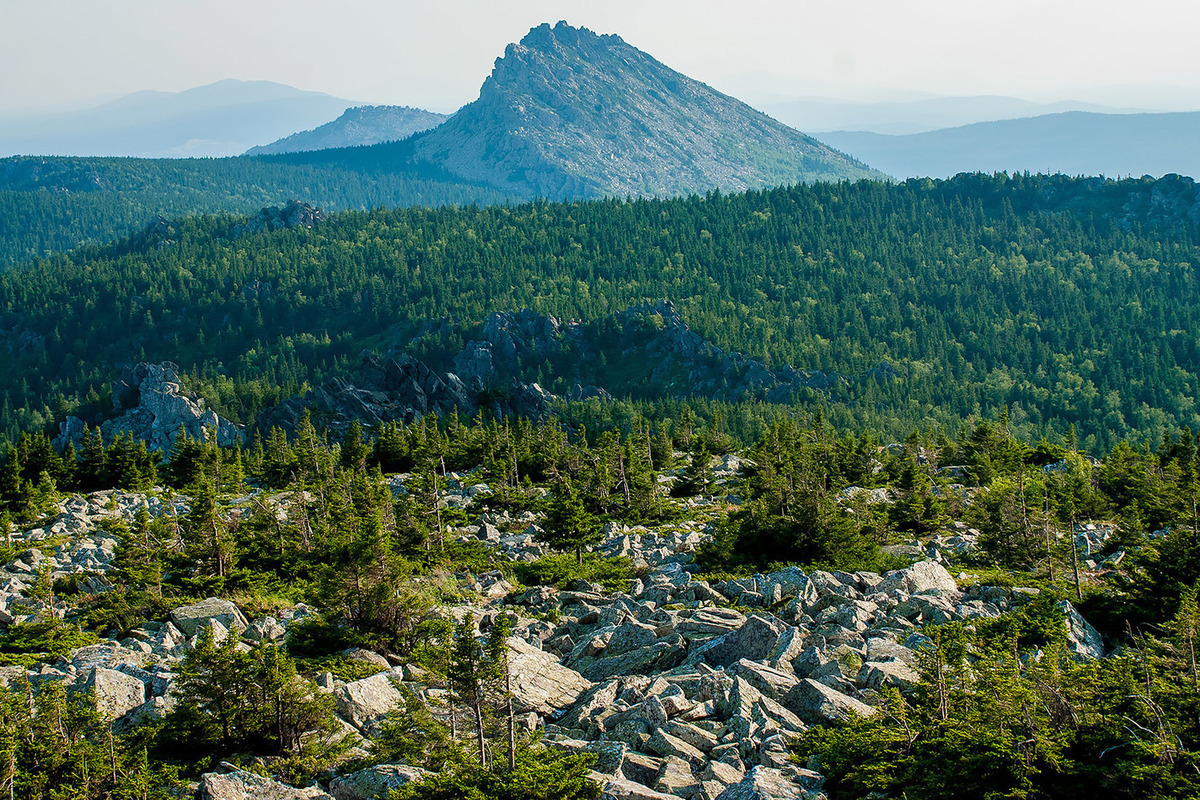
x: 150, y: 404
x: 654, y: 351
x: 293, y: 214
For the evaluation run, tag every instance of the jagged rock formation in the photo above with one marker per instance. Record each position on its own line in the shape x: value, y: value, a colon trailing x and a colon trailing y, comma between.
x: 362, y: 125
x: 652, y: 347
x: 293, y: 214
x: 568, y: 113
x: 150, y: 403
x: 398, y: 389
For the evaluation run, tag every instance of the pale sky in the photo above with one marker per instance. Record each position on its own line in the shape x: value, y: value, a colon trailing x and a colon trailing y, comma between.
x: 435, y: 54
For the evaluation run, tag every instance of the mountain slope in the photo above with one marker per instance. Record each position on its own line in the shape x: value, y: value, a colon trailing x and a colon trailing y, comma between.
x: 570, y: 113
x: 220, y: 119
x: 363, y: 125
x: 1073, y: 143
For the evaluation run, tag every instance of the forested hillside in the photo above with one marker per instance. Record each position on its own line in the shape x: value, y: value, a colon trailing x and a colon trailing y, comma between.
x: 54, y: 205
x: 1067, y: 300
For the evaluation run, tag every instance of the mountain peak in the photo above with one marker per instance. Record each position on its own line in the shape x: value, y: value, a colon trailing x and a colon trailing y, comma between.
x: 569, y: 112
x: 543, y: 37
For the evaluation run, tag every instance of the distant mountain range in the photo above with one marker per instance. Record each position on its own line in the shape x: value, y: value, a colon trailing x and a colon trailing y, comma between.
x: 221, y: 119
x: 363, y: 125
x: 568, y: 113
x: 1073, y: 143
x: 816, y: 115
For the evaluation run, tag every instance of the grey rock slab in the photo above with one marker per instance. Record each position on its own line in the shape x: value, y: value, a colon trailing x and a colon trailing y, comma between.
x: 190, y: 619
x: 765, y: 783
x: 755, y: 640
x: 623, y: 789
x: 920, y: 578
x: 116, y: 693
x: 668, y: 746
x: 237, y: 784
x: 1083, y: 640
x: 676, y: 777
x: 815, y: 701
x: 374, y: 782
x: 724, y: 773
x: 363, y: 703
x: 883, y: 674
x: 641, y: 768
x: 771, y: 682
x: 539, y: 682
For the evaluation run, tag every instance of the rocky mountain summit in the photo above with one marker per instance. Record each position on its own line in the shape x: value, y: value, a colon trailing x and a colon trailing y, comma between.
x: 569, y: 113
x: 683, y: 688
x: 358, y: 126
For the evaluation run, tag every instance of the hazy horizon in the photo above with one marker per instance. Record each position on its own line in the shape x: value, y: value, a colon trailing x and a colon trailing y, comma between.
x: 71, y: 54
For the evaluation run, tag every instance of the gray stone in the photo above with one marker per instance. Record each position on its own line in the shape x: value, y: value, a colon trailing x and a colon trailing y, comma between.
x: 816, y: 702
x: 765, y: 783
x: 190, y: 619
x: 115, y: 692
x: 374, y: 782
x: 265, y: 629
x: 755, y: 640
x: 722, y: 772
x: 623, y: 789
x: 882, y: 674
x: 1083, y: 640
x: 539, y: 682
x: 676, y: 777
x: 771, y: 682
x: 668, y: 746
x: 922, y: 577
x: 363, y: 703
x: 366, y: 656
x: 237, y: 784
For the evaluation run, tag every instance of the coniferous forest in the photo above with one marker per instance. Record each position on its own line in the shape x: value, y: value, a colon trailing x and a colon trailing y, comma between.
x: 961, y: 561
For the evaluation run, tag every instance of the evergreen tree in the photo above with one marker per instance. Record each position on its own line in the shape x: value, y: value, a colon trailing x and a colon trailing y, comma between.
x: 568, y: 525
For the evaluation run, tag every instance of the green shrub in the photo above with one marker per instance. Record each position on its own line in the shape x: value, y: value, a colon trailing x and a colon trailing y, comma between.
x: 560, y: 569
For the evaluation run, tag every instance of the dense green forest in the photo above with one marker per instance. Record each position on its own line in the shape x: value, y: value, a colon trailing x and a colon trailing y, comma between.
x: 1066, y: 300
x: 51, y: 205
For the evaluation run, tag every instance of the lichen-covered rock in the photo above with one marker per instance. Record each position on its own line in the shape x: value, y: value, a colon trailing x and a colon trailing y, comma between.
x: 539, y: 683
x: 237, y: 784
x: 115, y: 692
x: 765, y: 783
x: 754, y: 640
x: 190, y: 619
x: 374, y: 782
x: 363, y: 703
x: 815, y: 701
x: 1083, y: 640
x: 622, y: 789
x: 922, y: 577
